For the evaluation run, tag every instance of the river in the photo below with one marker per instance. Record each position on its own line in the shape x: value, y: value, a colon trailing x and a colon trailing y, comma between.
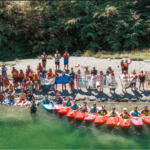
x: 48, y: 130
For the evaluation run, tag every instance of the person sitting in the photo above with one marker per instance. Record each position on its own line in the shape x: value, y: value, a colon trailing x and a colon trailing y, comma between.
x: 1, y: 97
x: 28, y: 70
x: 108, y: 71
x: 11, y: 97
x: 68, y: 103
x: 114, y: 113
x: 125, y: 114
x: 103, y: 112
x: 145, y: 111
x: 94, y: 71
x: 39, y: 67
x: 22, y: 97
x: 50, y: 74
x: 66, y: 59
x: 74, y: 106
x: 46, y: 100
x: 10, y: 88
x: 126, y: 65
x: 59, y: 100
x: 33, y: 107
x: 86, y: 72
x: 71, y: 85
x: 84, y: 108
x: 141, y: 79
x: 135, y: 112
x: 94, y: 109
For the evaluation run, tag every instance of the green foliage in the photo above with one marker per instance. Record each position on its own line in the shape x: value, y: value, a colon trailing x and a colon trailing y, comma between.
x: 27, y: 28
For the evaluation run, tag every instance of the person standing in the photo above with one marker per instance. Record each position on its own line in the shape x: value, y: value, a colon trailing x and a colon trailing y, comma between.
x: 71, y: 83
x: 77, y: 78
x: 125, y: 77
x: 112, y: 80
x: 1, y: 82
x: 4, y: 70
x: 56, y: 75
x: 57, y: 57
x: 122, y: 65
x: 108, y: 71
x: 1, y: 97
x: 86, y: 72
x: 66, y: 59
x: 126, y: 65
x: 133, y: 76
x: 50, y: 74
x: 6, y: 81
x: 41, y: 76
x: 141, y: 79
x: 30, y: 85
x: 94, y: 71
x: 21, y: 76
x: 39, y: 67
x: 100, y: 82
x: 44, y: 59
x: 63, y: 84
x: 28, y: 70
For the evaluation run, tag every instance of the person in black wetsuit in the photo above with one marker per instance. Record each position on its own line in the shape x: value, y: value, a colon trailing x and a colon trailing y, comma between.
x: 33, y: 107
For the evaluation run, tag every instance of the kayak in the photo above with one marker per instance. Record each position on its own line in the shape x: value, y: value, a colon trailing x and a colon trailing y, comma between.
x: 48, y: 107
x: 64, y: 110
x: 112, y: 121
x: 57, y: 107
x: 80, y: 115
x: 146, y: 119
x: 137, y: 121
x: 100, y: 119
x: 125, y: 122
x: 8, y: 102
x: 90, y: 117
x: 71, y: 113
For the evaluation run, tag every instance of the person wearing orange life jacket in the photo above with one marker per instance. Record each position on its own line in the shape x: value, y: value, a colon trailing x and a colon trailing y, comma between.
x: 1, y: 97
x: 141, y: 79
x: 66, y: 59
x: 35, y: 81
x: 10, y: 88
x: 28, y: 70
x: 126, y: 65
x: 50, y: 74
x: 31, y: 75
x: 16, y: 79
x: 133, y: 76
x: 44, y: 59
x: 6, y: 81
x: 39, y: 67
x: 29, y: 85
x: 13, y: 71
x: 21, y: 76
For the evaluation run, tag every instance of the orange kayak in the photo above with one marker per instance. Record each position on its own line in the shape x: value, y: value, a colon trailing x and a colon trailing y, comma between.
x: 100, y: 119
x: 64, y: 110
x: 71, y: 113
x: 146, y: 119
x: 112, y: 121
x: 125, y: 122
x: 81, y: 115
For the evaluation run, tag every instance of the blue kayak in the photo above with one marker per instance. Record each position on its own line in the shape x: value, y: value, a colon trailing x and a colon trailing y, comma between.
x: 8, y: 102
x: 47, y: 106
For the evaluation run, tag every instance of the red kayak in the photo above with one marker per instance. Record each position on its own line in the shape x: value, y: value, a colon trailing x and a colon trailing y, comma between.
x: 146, y: 119
x: 81, y: 115
x: 100, y: 119
x: 112, y: 121
x: 125, y: 122
x: 64, y: 110
x: 71, y: 113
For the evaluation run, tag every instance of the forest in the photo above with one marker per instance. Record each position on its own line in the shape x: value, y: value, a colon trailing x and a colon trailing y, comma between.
x: 27, y: 28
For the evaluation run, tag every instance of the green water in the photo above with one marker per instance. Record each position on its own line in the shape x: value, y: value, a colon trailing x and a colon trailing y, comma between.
x: 45, y: 130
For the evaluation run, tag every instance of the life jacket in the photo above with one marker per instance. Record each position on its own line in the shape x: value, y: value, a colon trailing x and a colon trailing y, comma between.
x: 125, y: 65
x: 142, y: 75
x: 31, y: 75
x: 21, y: 75
x: 66, y: 56
x: 125, y: 115
x: 103, y: 112
x: 50, y: 74
x: 16, y: 75
x: 3, y: 69
x: 146, y: 112
x: 44, y: 58
x: 84, y: 108
x: 68, y: 103
x: 135, y: 113
x: 59, y: 101
x: 27, y: 78
x: 74, y: 107
x: 112, y: 114
x: 6, y: 80
x: 40, y: 68
x: 94, y: 110
x: 35, y: 78
x: 10, y: 87
x: 46, y: 101
x: 28, y: 70
x: 38, y: 75
x: 29, y: 83
x: 1, y: 97
x: 13, y: 71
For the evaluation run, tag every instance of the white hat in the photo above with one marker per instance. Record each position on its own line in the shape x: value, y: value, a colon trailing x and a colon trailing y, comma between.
x: 124, y: 108
x: 109, y: 65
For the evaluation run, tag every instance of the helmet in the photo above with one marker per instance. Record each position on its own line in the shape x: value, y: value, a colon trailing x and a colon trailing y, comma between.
x: 113, y: 108
x: 74, y: 101
x: 145, y: 106
x: 135, y: 106
x: 94, y: 104
x: 103, y: 105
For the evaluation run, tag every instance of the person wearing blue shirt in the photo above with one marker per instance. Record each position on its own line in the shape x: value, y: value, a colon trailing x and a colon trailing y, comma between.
x: 66, y: 59
x: 94, y: 109
x: 68, y: 103
x: 135, y: 112
x: 46, y: 101
x: 74, y: 106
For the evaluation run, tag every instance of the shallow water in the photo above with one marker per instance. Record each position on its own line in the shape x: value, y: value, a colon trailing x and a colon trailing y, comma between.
x: 48, y: 130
